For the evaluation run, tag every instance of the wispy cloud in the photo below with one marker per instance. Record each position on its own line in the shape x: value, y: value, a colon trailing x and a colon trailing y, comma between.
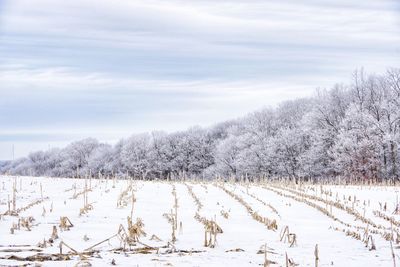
x: 61, y: 97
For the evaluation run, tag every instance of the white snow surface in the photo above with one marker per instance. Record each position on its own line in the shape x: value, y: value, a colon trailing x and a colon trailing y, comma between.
x: 240, y: 230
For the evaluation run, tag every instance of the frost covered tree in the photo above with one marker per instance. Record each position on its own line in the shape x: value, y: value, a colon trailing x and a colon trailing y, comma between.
x: 75, y: 157
x: 322, y: 125
x: 135, y: 155
x: 350, y: 131
x: 356, y: 153
x: 100, y: 161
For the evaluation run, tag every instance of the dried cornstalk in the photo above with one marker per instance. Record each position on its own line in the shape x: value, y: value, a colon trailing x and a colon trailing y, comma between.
x: 135, y: 230
x: 26, y: 222
x: 266, y: 262
x: 211, y: 229
x: 370, y: 240
x: 54, y: 234
x: 65, y: 223
x: 316, y: 255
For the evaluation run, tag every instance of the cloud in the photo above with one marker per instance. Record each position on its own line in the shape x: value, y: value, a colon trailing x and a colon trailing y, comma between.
x: 94, y: 66
x: 190, y: 38
x: 66, y: 98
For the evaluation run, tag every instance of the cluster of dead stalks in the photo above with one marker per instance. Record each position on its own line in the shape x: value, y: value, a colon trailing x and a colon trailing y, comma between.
x: 368, y: 240
x: 86, y: 205
x: 373, y: 228
x: 76, y: 195
x: 197, y: 201
x: 65, y: 223
x: 172, y: 217
x: 49, y: 242
x: 287, y: 236
x: 123, y: 198
x: 211, y: 228
x: 270, y: 223
x: 390, y: 219
x: 336, y: 204
x: 135, y: 230
x: 263, y: 202
x: 128, y: 237
x: 15, y: 212
x: 23, y: 222
x: 225, y: 214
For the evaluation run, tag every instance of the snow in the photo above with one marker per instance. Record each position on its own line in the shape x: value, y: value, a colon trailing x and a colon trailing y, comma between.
x: 240, y: 230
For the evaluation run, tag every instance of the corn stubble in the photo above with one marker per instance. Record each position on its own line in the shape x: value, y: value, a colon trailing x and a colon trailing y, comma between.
x: 132, y: 234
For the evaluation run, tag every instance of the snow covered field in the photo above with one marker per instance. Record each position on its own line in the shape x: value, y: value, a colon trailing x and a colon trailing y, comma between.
x: 340, y: 219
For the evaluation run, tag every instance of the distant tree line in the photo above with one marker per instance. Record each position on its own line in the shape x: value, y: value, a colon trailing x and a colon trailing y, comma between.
x: 350, y: 131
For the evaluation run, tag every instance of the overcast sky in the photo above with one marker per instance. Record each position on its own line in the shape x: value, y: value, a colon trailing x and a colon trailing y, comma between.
x: 107, y: 69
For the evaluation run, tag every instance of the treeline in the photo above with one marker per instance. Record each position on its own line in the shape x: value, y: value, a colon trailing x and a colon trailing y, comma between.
x: 350, y: 131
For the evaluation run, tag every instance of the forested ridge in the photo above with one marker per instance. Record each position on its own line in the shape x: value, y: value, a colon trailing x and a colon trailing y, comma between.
x: 351, y: 131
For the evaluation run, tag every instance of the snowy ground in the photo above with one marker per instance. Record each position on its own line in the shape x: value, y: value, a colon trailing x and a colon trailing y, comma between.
x: 337, y: 218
